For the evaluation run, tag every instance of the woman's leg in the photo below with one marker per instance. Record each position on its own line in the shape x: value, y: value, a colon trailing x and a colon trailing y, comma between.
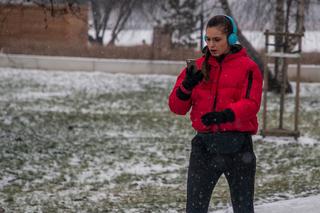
x: 203, y: 175
x: 240, y: 176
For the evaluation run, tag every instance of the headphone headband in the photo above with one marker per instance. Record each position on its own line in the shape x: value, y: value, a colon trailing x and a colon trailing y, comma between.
x: 234, y: 26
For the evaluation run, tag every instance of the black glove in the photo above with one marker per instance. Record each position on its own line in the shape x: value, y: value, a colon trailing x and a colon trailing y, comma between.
x: 193, y: 77
x: 218, y: 117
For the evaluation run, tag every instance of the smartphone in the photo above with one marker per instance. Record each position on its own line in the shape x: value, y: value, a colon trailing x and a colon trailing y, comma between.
x: 190, y: 63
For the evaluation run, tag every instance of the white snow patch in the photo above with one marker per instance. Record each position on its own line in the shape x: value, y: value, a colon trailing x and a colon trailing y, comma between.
x: 298, y: 205
x: 287, y: 140
x: 96, y: 82
x: 6, y: 180
x: 144, y: 169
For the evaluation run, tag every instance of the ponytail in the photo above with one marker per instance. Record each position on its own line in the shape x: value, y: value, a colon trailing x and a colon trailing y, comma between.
x: 205, y: 69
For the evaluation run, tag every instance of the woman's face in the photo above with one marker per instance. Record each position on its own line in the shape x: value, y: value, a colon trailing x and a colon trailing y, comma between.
x: 217, y: 42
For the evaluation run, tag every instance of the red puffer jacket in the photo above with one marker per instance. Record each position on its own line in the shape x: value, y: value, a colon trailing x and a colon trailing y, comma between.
x: 235, y: 83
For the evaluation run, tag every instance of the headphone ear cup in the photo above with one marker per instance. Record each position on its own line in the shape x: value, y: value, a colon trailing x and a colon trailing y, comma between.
x: 232, y: 39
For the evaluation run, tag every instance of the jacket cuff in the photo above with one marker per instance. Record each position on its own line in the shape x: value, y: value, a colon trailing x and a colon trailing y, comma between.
x: 230, y: 116
x: 183, y: 95
x: 187, y: 84
x: 184, y: 89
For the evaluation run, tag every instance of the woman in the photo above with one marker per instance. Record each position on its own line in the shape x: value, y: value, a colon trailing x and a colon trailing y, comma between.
x: 223, y: 90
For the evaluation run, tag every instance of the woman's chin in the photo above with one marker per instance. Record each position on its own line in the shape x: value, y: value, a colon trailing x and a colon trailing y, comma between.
x: 215, y: 54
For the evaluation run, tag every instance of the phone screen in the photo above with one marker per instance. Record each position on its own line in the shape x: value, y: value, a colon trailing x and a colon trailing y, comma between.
x: 190, y: 63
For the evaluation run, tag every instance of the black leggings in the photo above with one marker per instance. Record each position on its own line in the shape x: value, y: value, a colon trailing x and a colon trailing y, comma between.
x: 205, y: 168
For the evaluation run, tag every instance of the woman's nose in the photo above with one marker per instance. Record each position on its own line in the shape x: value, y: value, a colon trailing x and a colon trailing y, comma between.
x: 211, y: 44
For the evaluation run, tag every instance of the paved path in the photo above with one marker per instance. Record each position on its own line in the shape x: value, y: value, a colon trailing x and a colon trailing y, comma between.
x: 299, y: 205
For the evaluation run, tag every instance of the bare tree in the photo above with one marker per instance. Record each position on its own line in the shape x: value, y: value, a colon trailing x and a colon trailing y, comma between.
x: 180, y: 18
x: 111, y: 14
x: 280, y: 25
x: 101, y: 10
x: 124, y: 12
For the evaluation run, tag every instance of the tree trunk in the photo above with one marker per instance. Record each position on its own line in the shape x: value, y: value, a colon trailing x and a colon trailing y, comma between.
x: 124, y: 14
x: 290, y: 43
x: 272, y: 82
x: 299, y: 23
x: 101, y: 11
x: 96, y: 17
x: 279, y: 23
x: 108, y: 7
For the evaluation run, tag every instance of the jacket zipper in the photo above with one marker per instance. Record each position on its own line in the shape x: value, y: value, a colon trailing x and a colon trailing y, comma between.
x: 216, y: 95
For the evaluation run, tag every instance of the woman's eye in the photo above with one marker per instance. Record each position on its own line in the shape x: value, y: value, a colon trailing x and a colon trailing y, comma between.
x: 213, y: 39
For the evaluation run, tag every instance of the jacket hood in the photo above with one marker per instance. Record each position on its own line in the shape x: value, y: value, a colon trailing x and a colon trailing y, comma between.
x: 236, y: 48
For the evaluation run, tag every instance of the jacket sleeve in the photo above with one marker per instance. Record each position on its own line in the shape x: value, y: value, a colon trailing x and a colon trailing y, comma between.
x: 180, y: 98
x: 249, y: 104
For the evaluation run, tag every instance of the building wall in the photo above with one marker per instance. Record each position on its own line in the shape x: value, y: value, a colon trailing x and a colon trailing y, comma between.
x: 32, y: 28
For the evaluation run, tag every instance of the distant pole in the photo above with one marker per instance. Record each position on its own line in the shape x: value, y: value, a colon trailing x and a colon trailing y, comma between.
x: 201, y: 26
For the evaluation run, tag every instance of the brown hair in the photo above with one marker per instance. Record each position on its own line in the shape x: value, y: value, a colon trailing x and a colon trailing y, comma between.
x: 225, y: 25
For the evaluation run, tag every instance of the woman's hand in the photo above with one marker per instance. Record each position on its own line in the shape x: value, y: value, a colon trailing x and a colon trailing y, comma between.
x: 218, y: 117
x: 192, y: 78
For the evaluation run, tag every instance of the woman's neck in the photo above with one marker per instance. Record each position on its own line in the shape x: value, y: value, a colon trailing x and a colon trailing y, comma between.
x: 220, y: 58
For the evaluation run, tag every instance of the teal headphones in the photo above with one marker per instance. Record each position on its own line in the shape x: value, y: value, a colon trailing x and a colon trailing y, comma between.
x: 232, y: 38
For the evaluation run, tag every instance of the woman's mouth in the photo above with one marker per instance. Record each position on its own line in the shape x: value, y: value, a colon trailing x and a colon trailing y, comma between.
x: 214, y: 52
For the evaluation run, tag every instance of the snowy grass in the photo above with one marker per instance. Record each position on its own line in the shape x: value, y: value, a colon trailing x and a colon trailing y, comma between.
x: 96, y: 142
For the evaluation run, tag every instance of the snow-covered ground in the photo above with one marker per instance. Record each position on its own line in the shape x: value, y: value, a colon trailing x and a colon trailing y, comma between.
x: 99, y: 142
